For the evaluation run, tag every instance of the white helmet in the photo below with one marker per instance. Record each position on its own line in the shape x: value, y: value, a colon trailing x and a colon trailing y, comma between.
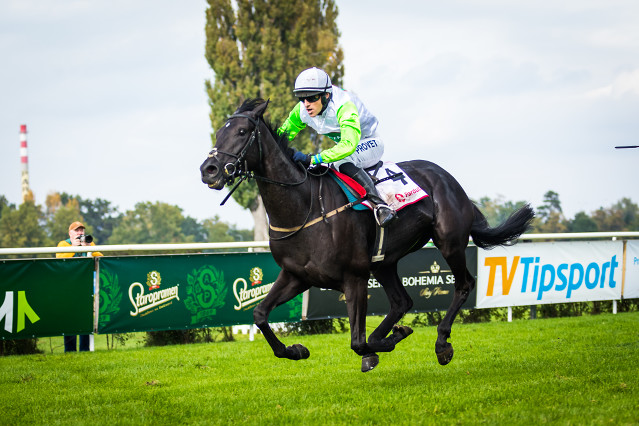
x: 311, y: 82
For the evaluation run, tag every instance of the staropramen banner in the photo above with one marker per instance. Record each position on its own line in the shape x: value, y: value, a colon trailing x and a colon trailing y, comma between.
x: 150, y: 293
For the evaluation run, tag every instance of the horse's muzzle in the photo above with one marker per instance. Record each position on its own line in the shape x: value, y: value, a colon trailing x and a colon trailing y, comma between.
x: 212, y: 174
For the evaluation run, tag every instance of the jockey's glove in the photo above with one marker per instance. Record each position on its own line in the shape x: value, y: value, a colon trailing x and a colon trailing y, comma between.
x: 300, y: 157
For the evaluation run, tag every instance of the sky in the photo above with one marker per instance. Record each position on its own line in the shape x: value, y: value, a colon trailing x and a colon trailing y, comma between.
x: 514, y: 99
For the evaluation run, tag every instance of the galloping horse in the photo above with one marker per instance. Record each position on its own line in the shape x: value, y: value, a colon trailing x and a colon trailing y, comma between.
x: 335, y: 252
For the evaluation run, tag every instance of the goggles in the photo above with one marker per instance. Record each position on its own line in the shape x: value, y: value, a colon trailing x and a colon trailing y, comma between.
x: 310, y: 99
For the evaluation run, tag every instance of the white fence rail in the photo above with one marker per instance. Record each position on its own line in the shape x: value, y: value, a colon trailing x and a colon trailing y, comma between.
x: 265, y: 244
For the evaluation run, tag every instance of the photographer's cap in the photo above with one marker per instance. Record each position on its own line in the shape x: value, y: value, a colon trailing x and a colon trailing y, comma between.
x: 75, y: 225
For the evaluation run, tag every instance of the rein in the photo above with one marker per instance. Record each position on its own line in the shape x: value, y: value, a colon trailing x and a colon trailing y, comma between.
x: 235, y: 169
x: 239, y: 169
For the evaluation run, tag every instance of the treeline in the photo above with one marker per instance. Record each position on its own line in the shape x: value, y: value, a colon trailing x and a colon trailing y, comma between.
x: 621, y: 216
x: 32, y: 225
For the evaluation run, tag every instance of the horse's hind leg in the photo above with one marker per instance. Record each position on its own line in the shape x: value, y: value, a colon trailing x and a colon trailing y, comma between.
x: 464, y: 283
x: 400, y: 303
x: 284, y: 289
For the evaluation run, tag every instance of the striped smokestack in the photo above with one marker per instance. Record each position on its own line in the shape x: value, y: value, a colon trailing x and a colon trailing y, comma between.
x: 24, y: 159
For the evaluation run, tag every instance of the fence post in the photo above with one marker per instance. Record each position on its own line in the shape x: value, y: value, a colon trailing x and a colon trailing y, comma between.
x: 510, y: 314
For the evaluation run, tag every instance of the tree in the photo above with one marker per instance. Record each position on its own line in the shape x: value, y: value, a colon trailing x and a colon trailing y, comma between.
x: 150, y: 223
x: 498, y: 210
x: 582, y: 223
x: 22, y: 227
x: 621, y: 216
x: 550, y: 218
x: 257, y: 50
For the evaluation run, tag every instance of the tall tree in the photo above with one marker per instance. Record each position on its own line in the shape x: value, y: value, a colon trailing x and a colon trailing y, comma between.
x: 256, y: 50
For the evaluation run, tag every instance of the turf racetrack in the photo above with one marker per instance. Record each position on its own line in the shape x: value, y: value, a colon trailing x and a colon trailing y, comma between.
x: 581, y: 370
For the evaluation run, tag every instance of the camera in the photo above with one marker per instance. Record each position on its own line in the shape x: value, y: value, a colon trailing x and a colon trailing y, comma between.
x: 85, y: 239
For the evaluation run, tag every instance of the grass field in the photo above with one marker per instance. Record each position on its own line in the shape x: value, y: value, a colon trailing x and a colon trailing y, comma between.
x: 579, y: 370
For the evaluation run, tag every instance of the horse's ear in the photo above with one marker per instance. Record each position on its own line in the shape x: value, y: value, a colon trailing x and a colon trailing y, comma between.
x: 259, y: 111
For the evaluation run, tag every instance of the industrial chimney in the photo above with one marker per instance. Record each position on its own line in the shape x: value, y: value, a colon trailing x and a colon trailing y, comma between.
x: 24, y: 159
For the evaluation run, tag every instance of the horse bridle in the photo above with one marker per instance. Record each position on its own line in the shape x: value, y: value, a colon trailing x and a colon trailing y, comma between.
x: 233, y: 170
x: 239, y: 168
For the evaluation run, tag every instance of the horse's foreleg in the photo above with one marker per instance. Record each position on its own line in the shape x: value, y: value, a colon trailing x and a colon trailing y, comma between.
x: 464, y: 283
x: 356, y: 294
x: 284, y: 289
x: 400, y: 303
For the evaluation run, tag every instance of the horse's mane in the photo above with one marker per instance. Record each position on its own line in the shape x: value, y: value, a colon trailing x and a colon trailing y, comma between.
x: 282, y: 140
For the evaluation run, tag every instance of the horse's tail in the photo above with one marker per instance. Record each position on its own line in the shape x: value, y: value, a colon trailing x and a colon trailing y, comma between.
x: 505, y: 234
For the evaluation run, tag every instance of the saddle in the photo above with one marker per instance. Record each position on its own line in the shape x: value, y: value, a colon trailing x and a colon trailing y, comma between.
x: 396, y: 188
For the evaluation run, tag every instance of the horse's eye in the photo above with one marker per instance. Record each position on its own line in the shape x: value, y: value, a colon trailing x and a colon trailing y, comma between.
x: 242, y: 132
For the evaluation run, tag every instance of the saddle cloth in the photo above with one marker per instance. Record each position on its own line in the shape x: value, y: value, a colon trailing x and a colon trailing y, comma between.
x: 398, y: 190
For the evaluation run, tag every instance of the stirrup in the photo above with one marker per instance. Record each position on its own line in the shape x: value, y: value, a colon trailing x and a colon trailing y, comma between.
x: 388, y: 214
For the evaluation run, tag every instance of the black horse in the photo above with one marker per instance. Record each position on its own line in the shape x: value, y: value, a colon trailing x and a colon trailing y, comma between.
x: 319, y: 242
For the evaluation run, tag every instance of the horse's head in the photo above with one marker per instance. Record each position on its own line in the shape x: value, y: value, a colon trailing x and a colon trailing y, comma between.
x: 238, y: 147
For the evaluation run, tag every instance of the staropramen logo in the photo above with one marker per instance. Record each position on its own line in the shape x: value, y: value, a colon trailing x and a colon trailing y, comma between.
x: 144, y: 303
x: 110, y: 296
x: 205, y: 293
x: 247, y: 297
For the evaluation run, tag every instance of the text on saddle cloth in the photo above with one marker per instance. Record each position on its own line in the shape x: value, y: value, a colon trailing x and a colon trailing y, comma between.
x: 396, y: 188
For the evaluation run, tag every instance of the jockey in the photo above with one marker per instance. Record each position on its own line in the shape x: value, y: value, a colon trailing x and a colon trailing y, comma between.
x: 341, y: 116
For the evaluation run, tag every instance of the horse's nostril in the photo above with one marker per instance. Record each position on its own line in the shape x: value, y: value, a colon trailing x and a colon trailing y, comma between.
x: 211, y: 170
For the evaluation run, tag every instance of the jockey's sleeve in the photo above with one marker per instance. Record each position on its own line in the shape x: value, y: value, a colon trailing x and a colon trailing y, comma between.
x: 350, y: 132
x: 293, y: 123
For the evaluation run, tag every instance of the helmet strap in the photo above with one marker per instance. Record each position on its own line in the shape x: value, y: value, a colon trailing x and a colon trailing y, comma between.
x: 325, y: 101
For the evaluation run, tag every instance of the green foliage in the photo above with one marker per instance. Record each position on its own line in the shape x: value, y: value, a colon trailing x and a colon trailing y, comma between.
x: 150, y: 223
x: 258, y: 49
x: 323, y: 326
x: 184, y: 337
x: 22, y: 227
x: 19, y: 347
x: 621, y: 216
x: 498, y: 210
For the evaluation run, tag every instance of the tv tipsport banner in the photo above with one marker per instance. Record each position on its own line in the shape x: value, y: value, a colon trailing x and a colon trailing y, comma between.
x: 631, y: 282
x: 552, y: 272
x: 150, y: 293
x: 46, y: 297
x: 424, y: 274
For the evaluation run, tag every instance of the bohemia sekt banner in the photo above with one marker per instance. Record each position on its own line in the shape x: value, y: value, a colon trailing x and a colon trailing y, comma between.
x: 539, y: 273
x: 150, y: 293
x: 424, y: 274
x: 46, y: 297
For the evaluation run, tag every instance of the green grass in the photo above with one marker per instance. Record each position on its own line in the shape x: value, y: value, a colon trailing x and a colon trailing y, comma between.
x: 580, y: 370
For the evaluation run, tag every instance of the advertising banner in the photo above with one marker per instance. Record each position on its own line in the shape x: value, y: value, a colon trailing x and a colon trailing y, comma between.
x: 631, y: 284
x: 46, y: 297
x: 553, y: 272
x: 425, y: 275
x: 150, y: 293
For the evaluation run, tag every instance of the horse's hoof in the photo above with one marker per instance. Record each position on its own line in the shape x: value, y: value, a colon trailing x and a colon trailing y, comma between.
x: 369, y: 362
x: 446, y: 355
x: 297, y: 352
x: 403, y: 330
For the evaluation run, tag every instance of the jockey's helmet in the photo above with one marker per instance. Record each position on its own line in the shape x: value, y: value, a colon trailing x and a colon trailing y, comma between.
x: 311, y: 82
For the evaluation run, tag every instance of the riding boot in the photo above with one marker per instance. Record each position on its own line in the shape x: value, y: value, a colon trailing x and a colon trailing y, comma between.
x: 384, y: 215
